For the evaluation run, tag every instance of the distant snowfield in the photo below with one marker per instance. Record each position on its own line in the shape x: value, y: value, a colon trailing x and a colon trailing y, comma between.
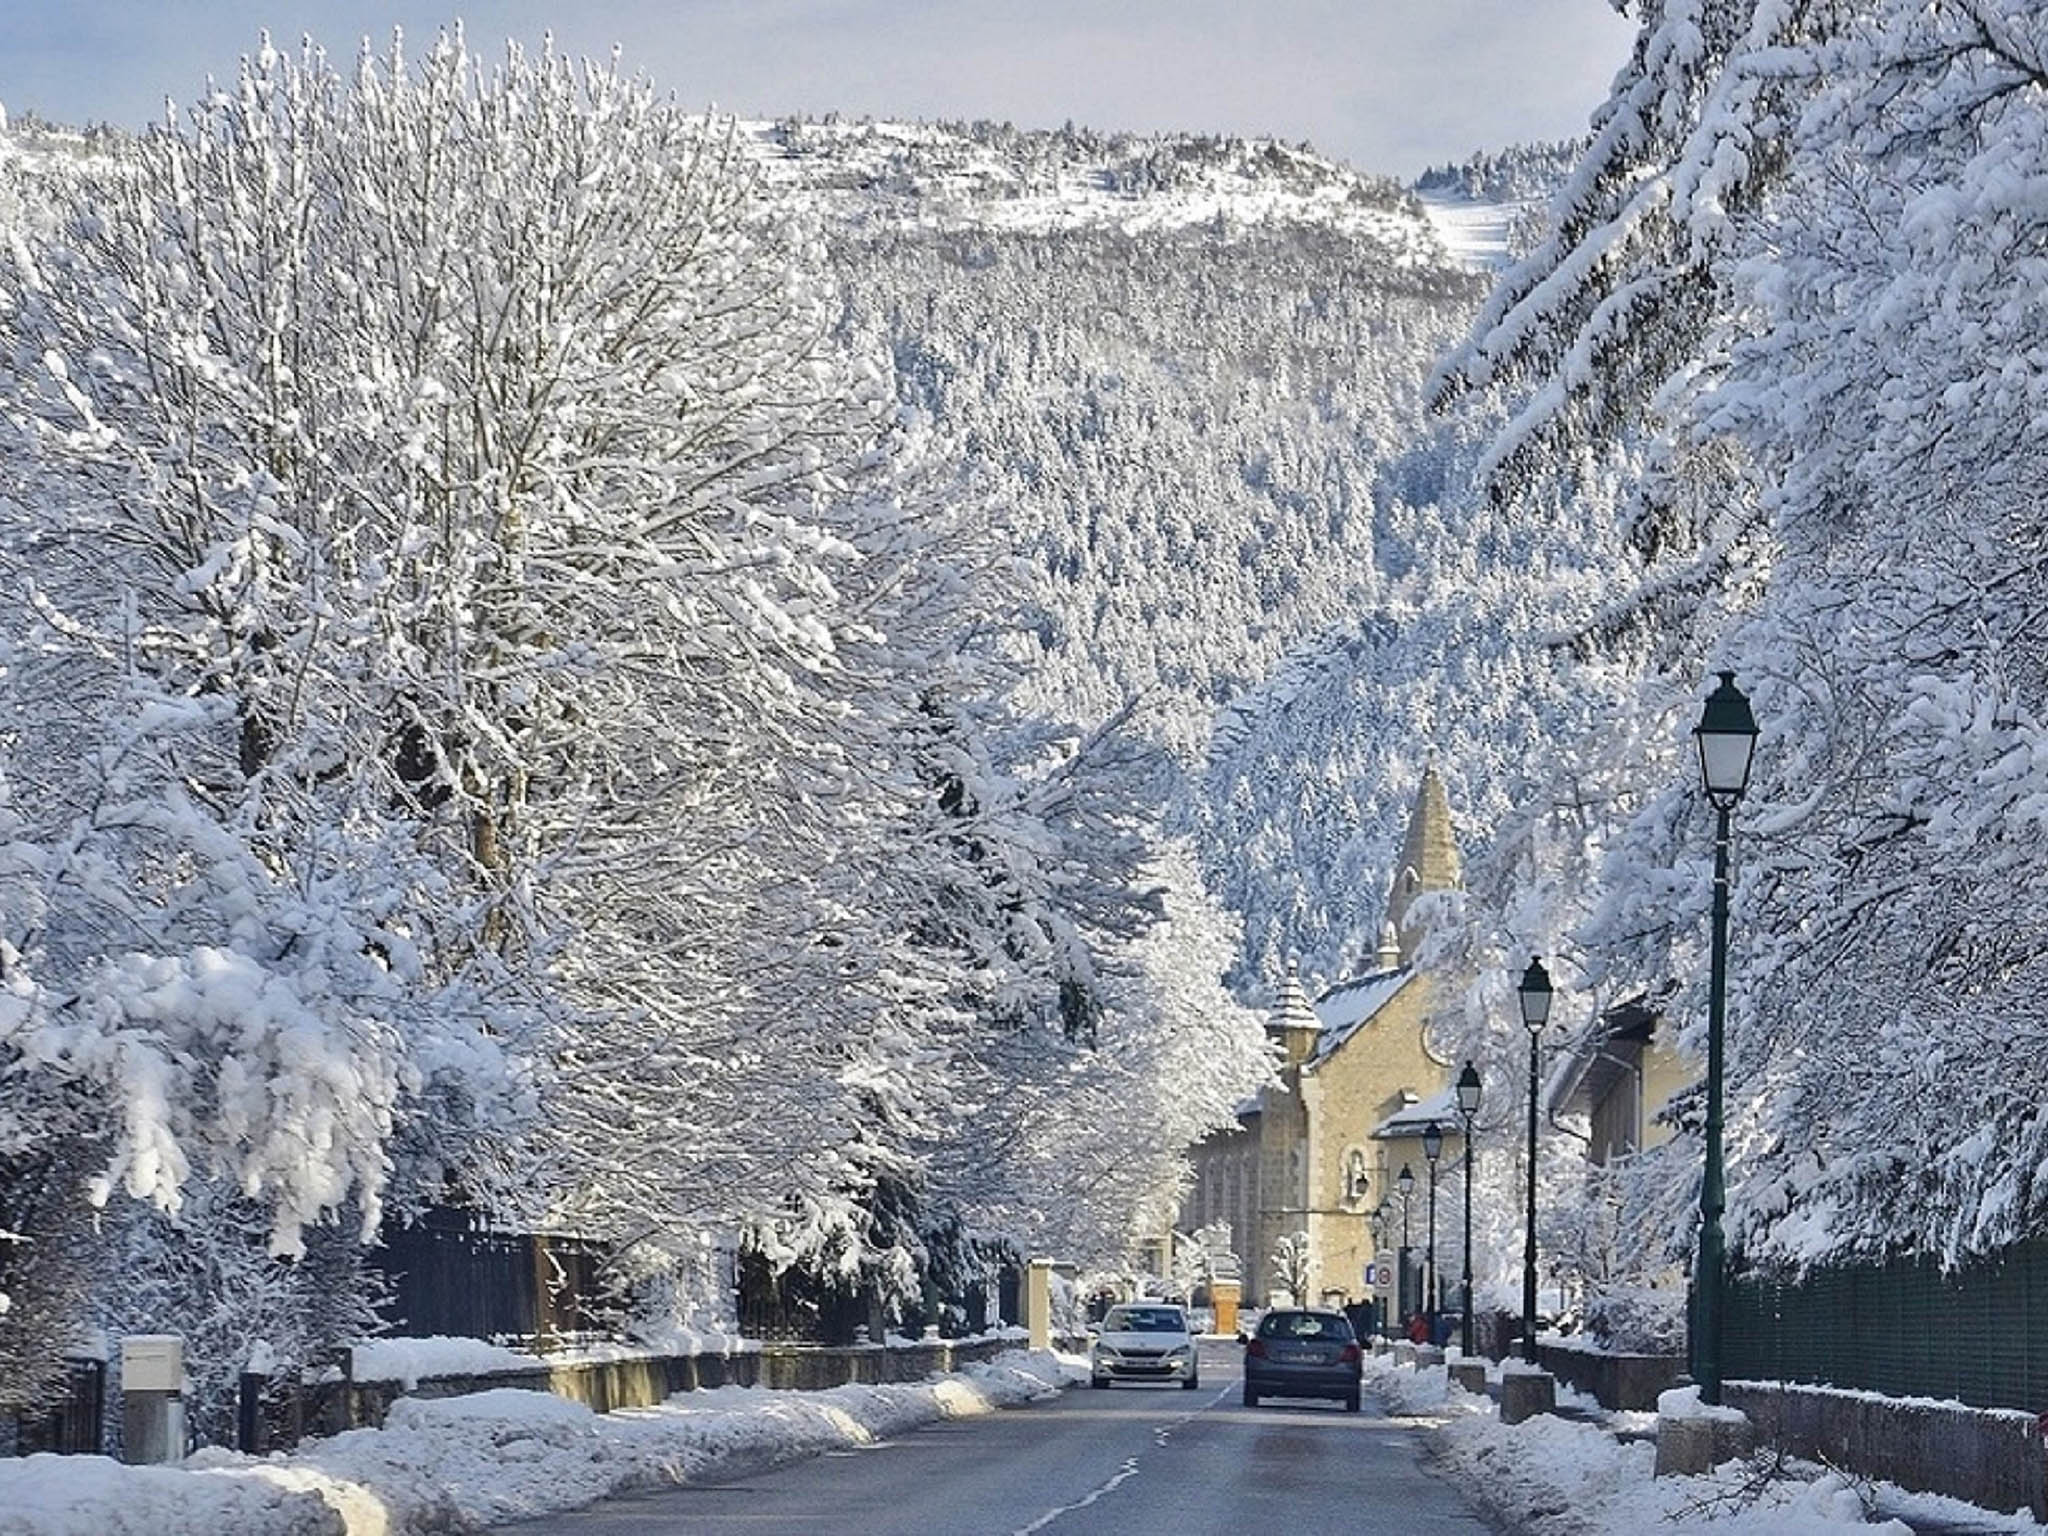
x: 1475, y: 233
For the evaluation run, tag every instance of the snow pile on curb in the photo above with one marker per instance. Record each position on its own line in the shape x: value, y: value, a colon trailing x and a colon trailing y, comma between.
x: 459, y: 1463
x: 48, y: 1495
x: 1425, y: 1393
x: 1549, y: 1476
x: 1684, y: 1403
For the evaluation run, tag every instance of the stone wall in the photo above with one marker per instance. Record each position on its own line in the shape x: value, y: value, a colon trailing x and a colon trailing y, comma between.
x: 1618, y: 1381
x: 642, y: 1382
x: 1992, y: 1457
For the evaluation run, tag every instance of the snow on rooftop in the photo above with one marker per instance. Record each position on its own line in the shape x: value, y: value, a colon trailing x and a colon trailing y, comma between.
x: 1409, y: 1120
x: 1344, y: 1009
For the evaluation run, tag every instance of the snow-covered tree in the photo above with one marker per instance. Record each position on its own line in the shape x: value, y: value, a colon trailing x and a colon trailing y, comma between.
x: 1811, y: 289
x: 1290, y: 1262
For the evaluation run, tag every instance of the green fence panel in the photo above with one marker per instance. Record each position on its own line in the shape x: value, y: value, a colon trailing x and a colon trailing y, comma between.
x: 2034, y: 1330
x: 1901, y: 1359
x: 1905, y: 1329
x: 1749, y: 1329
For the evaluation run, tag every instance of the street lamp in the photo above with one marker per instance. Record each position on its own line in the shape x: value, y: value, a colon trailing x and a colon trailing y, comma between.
x: 1468, y: 1107
x: 1407, y: 1183
x: 1356, y: 1178
x: 1726, y: 736
x: 1432, y: 1149
x: 1535, y: 995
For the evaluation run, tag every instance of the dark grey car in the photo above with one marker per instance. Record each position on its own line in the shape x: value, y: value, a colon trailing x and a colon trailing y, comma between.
x: 1301, y: 1352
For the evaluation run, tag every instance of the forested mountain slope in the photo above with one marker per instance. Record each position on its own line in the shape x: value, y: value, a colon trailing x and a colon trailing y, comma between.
x: 1185, y: 375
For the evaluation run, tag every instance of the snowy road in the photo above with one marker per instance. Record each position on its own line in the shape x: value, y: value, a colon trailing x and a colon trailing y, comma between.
x: 1130, y: 1461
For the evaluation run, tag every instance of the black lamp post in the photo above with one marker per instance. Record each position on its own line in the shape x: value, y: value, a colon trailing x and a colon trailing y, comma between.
x: 1406, y: 1181
x: 1432, y: 1149
x: 1468, y: 1107
x: 1535, y: 995
x: 1726, y: 736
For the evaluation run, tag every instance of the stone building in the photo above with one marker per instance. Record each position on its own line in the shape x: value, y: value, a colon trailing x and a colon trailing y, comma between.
x: 1618, y: 1076
x: 1320, y: 1151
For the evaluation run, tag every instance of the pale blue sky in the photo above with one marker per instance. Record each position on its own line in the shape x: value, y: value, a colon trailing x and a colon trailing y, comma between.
x: 1388, y: 84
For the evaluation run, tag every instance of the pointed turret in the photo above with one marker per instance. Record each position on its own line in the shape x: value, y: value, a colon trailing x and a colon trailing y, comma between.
x: 1429, y: 859
x: 1293, y: 1022
x: 1388, y: 957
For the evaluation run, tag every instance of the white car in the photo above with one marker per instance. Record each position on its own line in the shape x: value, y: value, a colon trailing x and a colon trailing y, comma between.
x: 1144, y: 1341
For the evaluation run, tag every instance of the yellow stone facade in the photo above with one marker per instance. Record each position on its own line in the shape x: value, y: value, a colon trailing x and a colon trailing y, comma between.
x: 1357, y: 1083
x: 1382, y: 1069
x: 1348, y: 1064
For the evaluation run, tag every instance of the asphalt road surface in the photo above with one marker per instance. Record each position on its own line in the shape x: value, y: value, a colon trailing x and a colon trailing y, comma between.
x: 1130, y: 1461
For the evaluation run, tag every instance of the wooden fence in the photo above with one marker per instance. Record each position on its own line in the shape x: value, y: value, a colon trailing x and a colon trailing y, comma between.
x: 450, y: 1277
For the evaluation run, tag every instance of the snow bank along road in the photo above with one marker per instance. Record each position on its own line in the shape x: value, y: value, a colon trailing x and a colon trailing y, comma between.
x: 1129, y: 1461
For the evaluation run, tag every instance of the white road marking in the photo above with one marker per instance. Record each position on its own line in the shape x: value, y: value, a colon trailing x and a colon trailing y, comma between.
x: 1161, y: 1433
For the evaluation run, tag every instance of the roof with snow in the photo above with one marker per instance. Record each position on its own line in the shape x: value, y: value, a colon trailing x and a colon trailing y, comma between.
x: 1589, y: 1070
x: 1344, y: 1010
x: 1412, y: 1119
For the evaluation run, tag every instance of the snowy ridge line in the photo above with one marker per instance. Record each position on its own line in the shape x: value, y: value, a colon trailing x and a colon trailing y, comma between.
x: 464, y: 1463
x: 934, y: 177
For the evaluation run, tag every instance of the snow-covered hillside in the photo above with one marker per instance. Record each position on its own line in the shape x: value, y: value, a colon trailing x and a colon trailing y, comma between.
x: 991, y: 176
x: 1185, y: 375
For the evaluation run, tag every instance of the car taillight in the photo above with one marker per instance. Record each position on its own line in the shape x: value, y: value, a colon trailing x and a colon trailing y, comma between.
x: 1257, y: 1349
x: 1349, y: 1356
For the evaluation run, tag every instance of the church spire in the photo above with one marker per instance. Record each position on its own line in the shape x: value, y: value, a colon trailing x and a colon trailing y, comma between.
x: 1429, y: 858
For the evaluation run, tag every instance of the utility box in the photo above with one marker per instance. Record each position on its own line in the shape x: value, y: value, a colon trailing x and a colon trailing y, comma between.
x: 153, y: 1362
x: 152, y: 1402
x: 1224, y: 1296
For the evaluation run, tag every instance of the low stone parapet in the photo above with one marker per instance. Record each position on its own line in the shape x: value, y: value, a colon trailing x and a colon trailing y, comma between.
x: 1991, y: 1457
x: 644, y: 1380
x: 1695, y: 1437
x: 1617, y: 1380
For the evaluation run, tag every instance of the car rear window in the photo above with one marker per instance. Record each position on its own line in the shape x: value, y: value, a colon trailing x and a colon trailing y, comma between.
x: 1304, y: 1325
x: 1144, y: 1320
